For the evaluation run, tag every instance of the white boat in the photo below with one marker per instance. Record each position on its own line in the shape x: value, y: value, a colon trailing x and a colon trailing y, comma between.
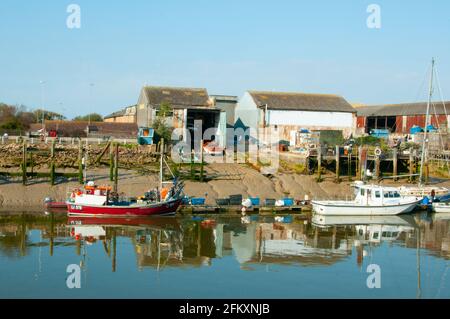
x: 370, y: 200
x: 441, y: 207
x: 332, y: 220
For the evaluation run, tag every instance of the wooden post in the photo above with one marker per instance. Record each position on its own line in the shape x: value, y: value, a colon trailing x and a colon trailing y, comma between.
x: 52, y: 164
x: 395, y: 163
x: 52, y: 233
x: 337, y: 163
x: 319, y: 163
x: 24, y: 163
x: 349, y: 166
x: 411, y: 165
x: 201, y: 162
x: 80, y: 162
x: 31, y: 163
x: 360, y: 164
x: 116, y: 168
x: 377, y: 167
x: 111, y: 162
x: 427, y: 171
x: 114, y: 258
x: 192, y: 164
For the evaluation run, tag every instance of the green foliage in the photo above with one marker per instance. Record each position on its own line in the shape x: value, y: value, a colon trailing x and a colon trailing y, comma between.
x: 368, y: 140
x: 331, y: 137
x: 409, y: 145
x: 14, y: 117
x: 93, y: 117
x: 165, y: 109
x: 47, y: 115
x: 159, y: 123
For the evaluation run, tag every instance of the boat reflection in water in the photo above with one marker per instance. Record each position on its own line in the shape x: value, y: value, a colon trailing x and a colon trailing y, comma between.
x: 294, y: 248
x: 164, y: 232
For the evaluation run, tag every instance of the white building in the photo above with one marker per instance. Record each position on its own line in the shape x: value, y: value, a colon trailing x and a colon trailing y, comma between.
x: 288, y: 112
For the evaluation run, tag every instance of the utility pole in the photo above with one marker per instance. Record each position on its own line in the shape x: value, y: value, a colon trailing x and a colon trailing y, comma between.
x: 42, y: 102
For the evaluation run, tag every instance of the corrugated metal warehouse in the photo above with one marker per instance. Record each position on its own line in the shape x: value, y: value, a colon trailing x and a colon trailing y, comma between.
x: 400, y: 118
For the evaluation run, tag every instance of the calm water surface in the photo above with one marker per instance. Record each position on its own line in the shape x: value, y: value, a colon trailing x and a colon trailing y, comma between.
x: 225, y: 257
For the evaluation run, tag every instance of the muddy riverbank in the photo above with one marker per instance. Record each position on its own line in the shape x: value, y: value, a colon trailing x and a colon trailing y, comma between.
x: 225, y: 180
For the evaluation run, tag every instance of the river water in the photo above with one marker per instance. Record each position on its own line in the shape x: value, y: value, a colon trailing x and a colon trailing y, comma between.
x: 44, y: 256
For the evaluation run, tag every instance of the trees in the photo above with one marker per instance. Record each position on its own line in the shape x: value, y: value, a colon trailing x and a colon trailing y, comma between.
x: 13, y: 117
x: 160, y: 122
x: 48, y: 115
x: 93, y: 117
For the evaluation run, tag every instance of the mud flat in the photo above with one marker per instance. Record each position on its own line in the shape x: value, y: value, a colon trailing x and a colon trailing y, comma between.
x: 225, y: 180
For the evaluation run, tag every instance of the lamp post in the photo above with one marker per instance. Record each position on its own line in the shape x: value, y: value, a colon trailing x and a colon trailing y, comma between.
x: 42, y: 102
x: 91, y: 85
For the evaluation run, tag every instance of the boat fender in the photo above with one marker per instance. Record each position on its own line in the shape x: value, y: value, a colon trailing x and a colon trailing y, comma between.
x: 378, y: 151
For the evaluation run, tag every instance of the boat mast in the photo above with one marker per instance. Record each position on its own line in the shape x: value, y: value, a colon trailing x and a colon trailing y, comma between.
x: 424, y: 143
x: 161, y: 159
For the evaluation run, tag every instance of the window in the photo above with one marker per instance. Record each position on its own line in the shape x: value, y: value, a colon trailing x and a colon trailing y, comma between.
x: 376, y: 235
x: 377, y: 194
x: 363, y: 192
x: 396, y: 195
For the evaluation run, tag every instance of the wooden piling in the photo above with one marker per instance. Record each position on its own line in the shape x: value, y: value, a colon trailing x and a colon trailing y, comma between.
x: 192, y: 164
x: 80, y: 162
x: 360, y: 165
x: 52, y: 163
x: 319, y: 163
x: 114, y: 252
x: 338, y: 179
x: 24, y: 163
x: 411, y: 165
x: 31, y: 164
x: 111, y: 162
x: 377, y: 167
x: 116, y: 167
x: 395, y: 163
x: 349, y: 161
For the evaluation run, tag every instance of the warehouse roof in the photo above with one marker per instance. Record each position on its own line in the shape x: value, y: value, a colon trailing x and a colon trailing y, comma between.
x: 403, y: 109
x: 301, y: 101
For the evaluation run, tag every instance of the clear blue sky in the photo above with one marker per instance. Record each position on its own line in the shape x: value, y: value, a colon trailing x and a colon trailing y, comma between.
x: 226, y: 46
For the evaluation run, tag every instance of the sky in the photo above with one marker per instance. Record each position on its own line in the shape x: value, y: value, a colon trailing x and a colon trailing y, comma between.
x: 226, y: 46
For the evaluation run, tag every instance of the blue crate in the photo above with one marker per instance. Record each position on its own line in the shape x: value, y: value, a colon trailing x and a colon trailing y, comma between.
x: 198, y: 201
x: 288, y: 201
x: 255, y: 201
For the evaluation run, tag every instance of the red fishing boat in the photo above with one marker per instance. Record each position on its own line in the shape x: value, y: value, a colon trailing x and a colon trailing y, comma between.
x: 103, y: 201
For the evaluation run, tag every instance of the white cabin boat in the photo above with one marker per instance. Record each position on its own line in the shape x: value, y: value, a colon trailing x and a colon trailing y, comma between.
x: 370, y: 200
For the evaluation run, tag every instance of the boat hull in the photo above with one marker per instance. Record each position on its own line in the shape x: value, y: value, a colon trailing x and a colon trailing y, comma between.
x: 165, y: 208
x: 358, y: 210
